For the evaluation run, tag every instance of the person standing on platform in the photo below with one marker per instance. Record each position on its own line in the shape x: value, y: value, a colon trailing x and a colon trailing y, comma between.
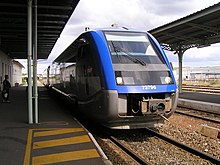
x: 6, y: 87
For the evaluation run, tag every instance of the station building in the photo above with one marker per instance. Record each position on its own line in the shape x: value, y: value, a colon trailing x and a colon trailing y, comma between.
x: 5, y: 67
x: 16, y: 73
x: 199, y: 73
x: 12, y: 68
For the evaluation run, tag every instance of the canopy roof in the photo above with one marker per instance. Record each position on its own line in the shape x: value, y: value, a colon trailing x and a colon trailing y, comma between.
x: 52, y: 17
x: 195, y: 30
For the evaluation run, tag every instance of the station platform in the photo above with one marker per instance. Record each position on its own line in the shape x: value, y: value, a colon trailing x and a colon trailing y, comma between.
x: 200, y: 101
x: 57, y: 139
x: 204, y: 97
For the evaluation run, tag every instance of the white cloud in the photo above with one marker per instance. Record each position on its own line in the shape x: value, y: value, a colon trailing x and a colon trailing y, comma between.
x: 138, y: 14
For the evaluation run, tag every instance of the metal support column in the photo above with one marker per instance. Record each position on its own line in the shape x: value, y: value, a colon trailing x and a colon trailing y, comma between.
x: 180, y: 55
x: 35, y: 89
x: 30, y: 108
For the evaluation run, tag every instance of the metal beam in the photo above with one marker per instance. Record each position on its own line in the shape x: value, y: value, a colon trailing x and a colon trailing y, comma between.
x: 204, y: 27
x: 46, y: 43
x: 13, y: 14
x: 30, y: 110
x: 35, y: 67
x: 180, y: 53
x: 12, y: 5
x: 13, y: 22
x: 184, y: 38
x: 50, y: 27
x: 49, y: 35
x: 49, y: 31
x: 39, y: 15
x: 55, y: 7
x: 52, y: 22
x: 8, y: 25
x: 53, y: 15
x: 180, y: 56
x: 40, y: 6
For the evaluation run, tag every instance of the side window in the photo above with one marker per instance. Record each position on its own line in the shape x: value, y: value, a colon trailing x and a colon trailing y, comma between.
x: 88, y: 76
x: 80, y: 79
x: 93, y: 83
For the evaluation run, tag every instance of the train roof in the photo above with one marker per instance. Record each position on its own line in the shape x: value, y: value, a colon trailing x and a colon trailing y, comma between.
x: 68, y: 55
x: 117, y: 29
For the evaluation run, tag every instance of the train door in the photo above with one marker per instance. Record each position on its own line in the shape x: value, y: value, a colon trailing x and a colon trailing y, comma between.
x: 88, y: 77
x: 80, y: 76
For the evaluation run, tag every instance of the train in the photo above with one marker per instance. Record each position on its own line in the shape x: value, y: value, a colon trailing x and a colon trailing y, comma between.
x: 118, y: 77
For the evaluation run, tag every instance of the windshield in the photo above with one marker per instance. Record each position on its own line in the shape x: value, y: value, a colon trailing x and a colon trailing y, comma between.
x: 135, y: 44
x: 135, y: 60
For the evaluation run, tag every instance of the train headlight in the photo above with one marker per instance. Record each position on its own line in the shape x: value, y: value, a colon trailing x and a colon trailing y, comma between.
x: 168, y: 80
x: 119, y: 80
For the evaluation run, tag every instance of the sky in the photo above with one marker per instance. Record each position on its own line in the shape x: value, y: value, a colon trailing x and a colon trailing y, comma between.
x: 136, y: 14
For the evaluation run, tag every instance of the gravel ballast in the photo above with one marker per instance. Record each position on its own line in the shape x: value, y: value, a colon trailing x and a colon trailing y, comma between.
x: 181, y: 128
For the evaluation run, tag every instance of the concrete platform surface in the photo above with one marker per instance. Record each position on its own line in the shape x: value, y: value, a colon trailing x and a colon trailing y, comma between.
x: 200, y: 101
x: 57, y: 139
x: 204, y: 97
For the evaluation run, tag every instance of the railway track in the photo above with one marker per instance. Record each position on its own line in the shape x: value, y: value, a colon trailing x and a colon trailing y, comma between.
x: 199, y: 115
x: 129, y: 152
x: 185, y: 147
x: 124, y: 148
x: 177, y: 144
x: 101, y: 132
x: 205, y: 89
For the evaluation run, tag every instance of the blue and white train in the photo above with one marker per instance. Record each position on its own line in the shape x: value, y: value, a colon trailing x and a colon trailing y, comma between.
x: 118, y: 77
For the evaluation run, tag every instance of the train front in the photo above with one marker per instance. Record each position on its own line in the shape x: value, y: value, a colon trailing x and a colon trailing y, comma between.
x: 145, y: 85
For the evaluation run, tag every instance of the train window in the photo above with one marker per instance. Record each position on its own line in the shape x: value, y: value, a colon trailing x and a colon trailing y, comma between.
x: 88, y: 76
x: 125, y: 44
x: 136, y: 60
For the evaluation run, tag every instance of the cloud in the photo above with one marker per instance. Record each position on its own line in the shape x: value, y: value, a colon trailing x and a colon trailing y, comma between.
x: 207, y: 56
x: 170, y: 7
x: 137, y: 14
x: 203, y: 54
x: 103, y: 13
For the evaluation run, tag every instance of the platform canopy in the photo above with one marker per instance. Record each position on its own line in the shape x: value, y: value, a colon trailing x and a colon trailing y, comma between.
x: 52, y: 17
x: 199, y: 29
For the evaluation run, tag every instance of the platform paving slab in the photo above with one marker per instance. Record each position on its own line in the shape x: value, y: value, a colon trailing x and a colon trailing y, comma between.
x: 56, y: 139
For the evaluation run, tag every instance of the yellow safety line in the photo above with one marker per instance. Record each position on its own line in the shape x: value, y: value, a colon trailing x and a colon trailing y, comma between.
x: 65, y: 156
x: 61, y: 142
x: 28, y: 148
x: 57, y: 132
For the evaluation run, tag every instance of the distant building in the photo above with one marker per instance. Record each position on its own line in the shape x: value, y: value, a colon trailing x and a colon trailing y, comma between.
x: 199, y: 73
x: 5, y: 67
x: 17, y: 73
x: 11, y: 68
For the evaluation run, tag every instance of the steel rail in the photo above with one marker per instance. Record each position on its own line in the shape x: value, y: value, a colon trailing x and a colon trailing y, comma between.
x: 201, y: 89
x: 103, y: 132
x: 185, y: 147
x: 198, y: 117
x: 128, y: 151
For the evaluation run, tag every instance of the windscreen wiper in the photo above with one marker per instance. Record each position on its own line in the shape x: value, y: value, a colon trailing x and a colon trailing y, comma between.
x: 116, y: 50
x: 132, y: 58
